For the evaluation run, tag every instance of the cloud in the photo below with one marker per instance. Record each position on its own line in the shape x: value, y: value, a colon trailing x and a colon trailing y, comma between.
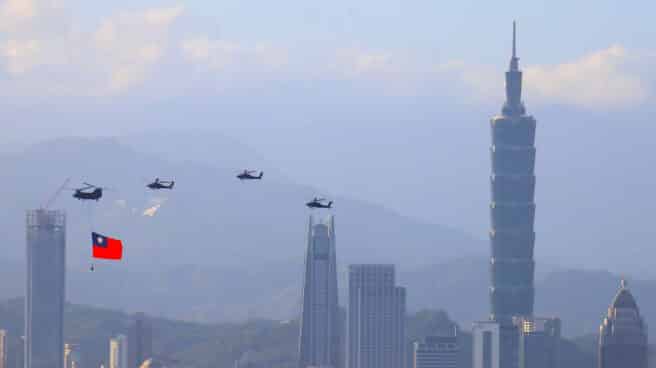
x: 15, y: 12
x: 603, y: 79
x: 31, y: 34
x: 218, y: 55
x: 44, y: 55
x: 21, y: 55
x: 162, y: 16
x: 128, y: 45
x: 359, y: 62
x: 44, y: 52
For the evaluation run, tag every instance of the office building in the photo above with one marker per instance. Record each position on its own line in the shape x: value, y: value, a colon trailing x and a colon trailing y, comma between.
x: 623, y: 334
x: 512, y: 213
x: 3, y: 349
x: 71, y: 356
x: 486, y: 344
x: 118, y: 352
x: 140, y: 341
x: 45, y: 291
x: 321, y: 325
x: 539, y: 342
x: 376, y: 318
x: 437, y: 351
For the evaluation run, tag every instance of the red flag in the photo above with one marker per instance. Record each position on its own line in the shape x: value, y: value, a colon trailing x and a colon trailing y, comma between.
x: 106, y: 248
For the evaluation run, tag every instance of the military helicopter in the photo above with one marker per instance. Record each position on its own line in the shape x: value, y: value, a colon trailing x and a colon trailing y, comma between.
x: 319, y: 203
x: 157, y: 184
x: 89, y: 192
x: 248, y: 175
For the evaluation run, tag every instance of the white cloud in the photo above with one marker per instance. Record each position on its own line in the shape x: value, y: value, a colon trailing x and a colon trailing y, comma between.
x: 21, y: 55
x: 129, y: 44
x: 612, y: 78
x: 603, y: 79
x: 43, y: 54
x: 162, y: 16
x: 218, y: 55
x: 357, y: 62
x: 15, y: 12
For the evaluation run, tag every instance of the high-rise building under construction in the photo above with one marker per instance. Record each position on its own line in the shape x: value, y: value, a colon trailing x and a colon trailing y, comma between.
x: 45, y: 290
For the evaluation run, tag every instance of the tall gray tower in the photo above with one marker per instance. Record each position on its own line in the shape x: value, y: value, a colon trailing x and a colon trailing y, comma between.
x: 512, y: 213
x: 376, y: 318
x: 140, y: 341
x: 45, y: 292
x: 321, y: 325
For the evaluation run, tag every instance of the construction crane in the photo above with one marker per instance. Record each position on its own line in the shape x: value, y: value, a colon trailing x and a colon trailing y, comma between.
x: 53, y: 198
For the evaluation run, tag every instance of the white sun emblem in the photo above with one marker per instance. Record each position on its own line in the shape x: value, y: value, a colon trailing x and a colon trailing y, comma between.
x: 100, y: 240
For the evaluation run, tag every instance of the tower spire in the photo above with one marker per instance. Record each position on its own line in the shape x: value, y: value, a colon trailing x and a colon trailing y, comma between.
x: 513, y: 105
x: 514, y: 54
x: 514, y: 60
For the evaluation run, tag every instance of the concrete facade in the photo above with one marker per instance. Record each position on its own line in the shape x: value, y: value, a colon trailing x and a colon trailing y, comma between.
x: 376, y: 318
x: 321, y: 322
x: 45, y: 291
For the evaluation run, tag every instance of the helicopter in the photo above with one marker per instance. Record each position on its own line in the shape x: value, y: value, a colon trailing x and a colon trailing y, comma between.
x: 157, y: 184
x: 248, y: 175
x: 86, y: 194
x: 318, y: 203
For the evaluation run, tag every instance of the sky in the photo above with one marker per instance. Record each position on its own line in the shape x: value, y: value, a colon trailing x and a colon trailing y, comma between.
x: 337, y: 92
x: 73, y: 48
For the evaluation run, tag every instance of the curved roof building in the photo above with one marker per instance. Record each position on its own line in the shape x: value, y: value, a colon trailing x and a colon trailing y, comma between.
x: 623, y: 333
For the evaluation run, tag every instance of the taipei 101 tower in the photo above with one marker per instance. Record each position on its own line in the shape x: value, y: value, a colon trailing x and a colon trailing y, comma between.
x: 512, y: 214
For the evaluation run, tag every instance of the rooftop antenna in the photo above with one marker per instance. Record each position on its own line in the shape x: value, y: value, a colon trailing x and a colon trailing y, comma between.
x: 514, y: 54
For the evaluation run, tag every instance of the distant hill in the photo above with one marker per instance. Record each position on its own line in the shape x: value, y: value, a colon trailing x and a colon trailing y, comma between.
x: 211, y: 294
x: 579, y: 297
x: 210, y: 218
x: 260, y: 343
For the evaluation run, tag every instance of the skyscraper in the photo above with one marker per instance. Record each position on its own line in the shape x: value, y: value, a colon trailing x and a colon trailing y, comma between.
x: 437, y: 351
x: 45, y: 292
x: 512, y: 213
x: 539, y: 342
x: 118, y: 352
x: 623, y: 334
x: 71, y: 356
x: 140, y: 341
x: 376, y: 318
x: 486, y: 344
x: 3, y: 349
x: 321, y: 325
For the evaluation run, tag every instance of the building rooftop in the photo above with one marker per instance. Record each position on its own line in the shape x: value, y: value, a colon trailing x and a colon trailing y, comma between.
x: 624, y: 298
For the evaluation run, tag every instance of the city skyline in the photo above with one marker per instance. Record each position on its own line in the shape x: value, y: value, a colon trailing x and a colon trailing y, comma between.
x: 378, y: 319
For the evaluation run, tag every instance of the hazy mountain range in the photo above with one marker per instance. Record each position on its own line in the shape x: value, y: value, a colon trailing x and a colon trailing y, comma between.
x: 224, y: 293
x: 210, y: 218
x: 218, y: 249
x: 257, y: 343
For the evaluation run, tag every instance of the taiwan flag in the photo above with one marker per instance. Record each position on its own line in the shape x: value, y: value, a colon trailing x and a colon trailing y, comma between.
x: 105, y: 247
